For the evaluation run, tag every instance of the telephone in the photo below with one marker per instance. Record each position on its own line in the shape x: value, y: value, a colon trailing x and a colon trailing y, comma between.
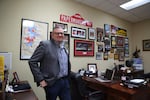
x: 82, y: 72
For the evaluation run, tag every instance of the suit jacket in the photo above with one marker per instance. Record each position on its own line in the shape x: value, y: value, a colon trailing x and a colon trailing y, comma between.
x: 44, y: 62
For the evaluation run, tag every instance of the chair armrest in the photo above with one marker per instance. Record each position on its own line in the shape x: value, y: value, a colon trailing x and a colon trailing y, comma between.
x: 95, y: 92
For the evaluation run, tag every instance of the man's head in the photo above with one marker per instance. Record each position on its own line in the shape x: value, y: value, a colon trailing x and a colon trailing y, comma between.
x: 58, y: 34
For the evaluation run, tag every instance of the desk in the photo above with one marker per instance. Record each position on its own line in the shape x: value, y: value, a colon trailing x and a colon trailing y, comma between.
x: 26, y: 95
x: 115, y: 91
x: 132, y: 74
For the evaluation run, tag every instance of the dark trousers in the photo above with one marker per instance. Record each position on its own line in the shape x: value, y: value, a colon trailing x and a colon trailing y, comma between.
x: 61, y: 89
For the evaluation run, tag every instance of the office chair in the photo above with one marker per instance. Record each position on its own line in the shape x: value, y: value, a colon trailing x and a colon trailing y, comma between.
x: 84, y: 92
x: 75, y: 95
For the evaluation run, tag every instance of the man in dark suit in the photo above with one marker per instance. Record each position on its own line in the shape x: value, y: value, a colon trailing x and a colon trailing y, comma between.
x: 50, y: 66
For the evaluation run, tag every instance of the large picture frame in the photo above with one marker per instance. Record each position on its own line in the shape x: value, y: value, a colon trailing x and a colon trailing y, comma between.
x: 83, y: 48
x: 146, y: 45
x: 63, y: 25
x: 78, y: 32
x: 32, y: 32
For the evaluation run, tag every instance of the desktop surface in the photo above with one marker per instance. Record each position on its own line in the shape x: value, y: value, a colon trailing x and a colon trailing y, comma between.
x: 22, y: 95
x: 115, y: 91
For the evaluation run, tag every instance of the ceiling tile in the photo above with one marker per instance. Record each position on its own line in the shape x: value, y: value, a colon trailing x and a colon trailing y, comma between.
x: 118, y: 2
x: 112, y: 7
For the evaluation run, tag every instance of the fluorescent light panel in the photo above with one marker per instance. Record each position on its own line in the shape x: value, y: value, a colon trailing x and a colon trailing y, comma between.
x: 133, y: 4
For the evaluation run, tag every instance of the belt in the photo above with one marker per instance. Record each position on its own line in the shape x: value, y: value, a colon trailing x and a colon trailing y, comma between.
x: 64, y: 77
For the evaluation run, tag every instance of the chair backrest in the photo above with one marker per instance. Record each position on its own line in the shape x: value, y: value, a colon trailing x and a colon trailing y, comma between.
x: 82, y: 87
x: 75, y: 94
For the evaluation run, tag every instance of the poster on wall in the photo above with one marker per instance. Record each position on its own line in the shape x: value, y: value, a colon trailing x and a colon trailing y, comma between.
x: 32, y: 32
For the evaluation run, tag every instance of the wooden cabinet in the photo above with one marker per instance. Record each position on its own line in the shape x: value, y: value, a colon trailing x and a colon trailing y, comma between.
x: 27, y: 95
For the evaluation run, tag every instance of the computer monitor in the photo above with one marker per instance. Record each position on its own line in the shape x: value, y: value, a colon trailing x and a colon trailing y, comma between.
x: 137, y: 63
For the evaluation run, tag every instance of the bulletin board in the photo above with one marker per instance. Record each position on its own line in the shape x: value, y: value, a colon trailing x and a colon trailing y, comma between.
x: 7, y: 60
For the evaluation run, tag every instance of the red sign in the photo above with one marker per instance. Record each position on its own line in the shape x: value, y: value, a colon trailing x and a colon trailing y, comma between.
x: 75, y: 19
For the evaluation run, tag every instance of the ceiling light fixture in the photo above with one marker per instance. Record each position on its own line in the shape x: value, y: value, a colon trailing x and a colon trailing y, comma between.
x: 133, y: 4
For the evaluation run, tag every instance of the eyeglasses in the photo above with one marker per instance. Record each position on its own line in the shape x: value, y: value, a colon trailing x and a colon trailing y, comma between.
x: 58, y: 33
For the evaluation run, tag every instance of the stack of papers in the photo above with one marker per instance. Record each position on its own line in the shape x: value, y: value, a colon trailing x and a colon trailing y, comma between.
x: 102, y: 80
x: 137, y: 80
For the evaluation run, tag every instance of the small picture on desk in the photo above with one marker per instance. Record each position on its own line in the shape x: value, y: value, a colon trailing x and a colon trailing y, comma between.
x: 92, y: 67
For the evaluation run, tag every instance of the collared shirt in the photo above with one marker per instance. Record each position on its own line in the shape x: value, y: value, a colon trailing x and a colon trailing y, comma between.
x: 63, y: 61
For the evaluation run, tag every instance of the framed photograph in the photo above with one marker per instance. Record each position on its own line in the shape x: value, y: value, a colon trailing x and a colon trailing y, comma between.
x: 116, y: 57
x: 99, y: 55
x: 113, y: 41
x: 83, y: 48
x: 78, y: 32
x: 32, y: 32
x: 105, y: 55
x: 92, y: 67
x: 113, y: 29
x: 91, y: 34
x: 126, y: 40
x: 100, y: 47
x: 120, y: 41
x: 146, y: 45
x: 99, y: 34
x: 121, y: 54
x: 126, y: 50
x: 64, y: 26
x: 67, y: 42
x: 107, y: 43
x: 107, y: 30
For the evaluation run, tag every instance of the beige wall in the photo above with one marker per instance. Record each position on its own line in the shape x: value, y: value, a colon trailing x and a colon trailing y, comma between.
x: 12, y: 11
x: 141, y: 31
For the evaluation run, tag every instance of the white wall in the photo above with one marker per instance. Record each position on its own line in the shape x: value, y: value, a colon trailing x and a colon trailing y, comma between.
x: 12, y: 11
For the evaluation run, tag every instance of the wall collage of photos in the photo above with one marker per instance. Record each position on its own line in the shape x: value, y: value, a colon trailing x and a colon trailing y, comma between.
x: 112, y: 42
